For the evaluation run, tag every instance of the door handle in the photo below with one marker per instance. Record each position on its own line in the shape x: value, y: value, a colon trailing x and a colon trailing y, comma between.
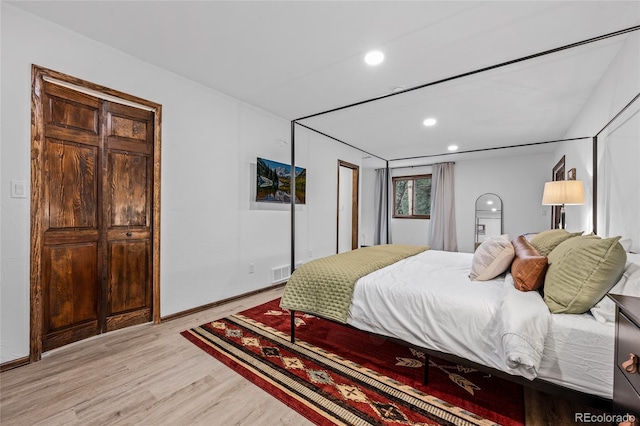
x: 128, y: 234
x: 631, y: 365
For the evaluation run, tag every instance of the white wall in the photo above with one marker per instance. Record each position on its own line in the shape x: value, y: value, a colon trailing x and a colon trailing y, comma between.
x: 316, y: 231
x: 212, y: 228
x: 619, y: 179
x: 617, y: 87
x: 518, y: 180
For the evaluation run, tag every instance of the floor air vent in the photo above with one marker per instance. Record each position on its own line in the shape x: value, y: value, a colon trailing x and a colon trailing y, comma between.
x: 282, y: 273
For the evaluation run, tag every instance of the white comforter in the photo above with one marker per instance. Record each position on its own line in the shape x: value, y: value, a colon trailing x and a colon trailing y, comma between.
x: 428, y: 300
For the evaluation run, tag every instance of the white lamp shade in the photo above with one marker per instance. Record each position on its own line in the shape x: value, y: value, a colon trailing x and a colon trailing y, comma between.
x: 561, y: 192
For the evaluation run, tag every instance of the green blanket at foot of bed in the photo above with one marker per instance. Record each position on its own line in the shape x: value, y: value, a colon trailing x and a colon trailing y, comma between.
x: 324, y: 287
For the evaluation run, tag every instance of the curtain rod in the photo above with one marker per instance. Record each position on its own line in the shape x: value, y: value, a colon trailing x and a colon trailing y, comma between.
x: 411, y: 167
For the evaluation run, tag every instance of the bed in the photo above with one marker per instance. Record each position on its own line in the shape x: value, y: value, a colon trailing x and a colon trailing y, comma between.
x: 490, y: 325
x: 427, y: 300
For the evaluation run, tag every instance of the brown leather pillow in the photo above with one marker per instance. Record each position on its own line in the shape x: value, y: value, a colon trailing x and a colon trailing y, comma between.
x: 529, y: 266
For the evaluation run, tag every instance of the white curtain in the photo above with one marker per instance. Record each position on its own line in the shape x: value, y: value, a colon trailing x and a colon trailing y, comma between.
x: 442, y: 226
x: 380, y: 214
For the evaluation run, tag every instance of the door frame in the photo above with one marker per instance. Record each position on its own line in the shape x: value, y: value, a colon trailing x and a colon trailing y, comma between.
x: 355, y: 209
x: 557, y: 173
x: 38, y: 76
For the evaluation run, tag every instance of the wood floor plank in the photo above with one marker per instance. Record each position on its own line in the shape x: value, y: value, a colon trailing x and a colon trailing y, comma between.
x: 66, y: 417
x: 142, y: 375
x: 122, y: 403
x: 150, y: 375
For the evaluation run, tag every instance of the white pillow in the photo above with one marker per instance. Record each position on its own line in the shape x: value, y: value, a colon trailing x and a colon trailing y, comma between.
x: 626, y: 244
x: 628, y: 285
x: 492, y: 258
x: 633, y: 258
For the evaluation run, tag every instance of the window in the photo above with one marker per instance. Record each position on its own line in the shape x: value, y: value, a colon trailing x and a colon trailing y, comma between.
x: 412, y: 197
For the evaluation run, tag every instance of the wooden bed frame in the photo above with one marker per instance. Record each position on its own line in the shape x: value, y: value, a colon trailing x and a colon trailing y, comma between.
x: 544, y: 386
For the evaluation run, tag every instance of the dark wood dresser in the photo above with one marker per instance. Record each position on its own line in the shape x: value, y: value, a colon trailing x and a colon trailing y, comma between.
x: 626, y: 375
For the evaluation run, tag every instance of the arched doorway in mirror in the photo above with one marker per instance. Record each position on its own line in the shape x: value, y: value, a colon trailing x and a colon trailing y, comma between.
x: 488, y: 217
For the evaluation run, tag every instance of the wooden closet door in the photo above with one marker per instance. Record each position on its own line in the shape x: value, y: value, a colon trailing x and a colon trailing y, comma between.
x: 71, y: 250
x: 128, y: 184
x: 95, y: 210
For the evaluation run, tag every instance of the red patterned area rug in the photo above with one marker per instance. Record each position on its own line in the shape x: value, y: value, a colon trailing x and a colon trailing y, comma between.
x: 335, y: 374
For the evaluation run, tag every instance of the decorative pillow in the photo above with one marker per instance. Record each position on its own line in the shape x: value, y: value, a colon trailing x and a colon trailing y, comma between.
x: 547, y: 240
x: 528, y: 267
x: 492, y: 258
x: 629, y: 285
x: 581, y: 271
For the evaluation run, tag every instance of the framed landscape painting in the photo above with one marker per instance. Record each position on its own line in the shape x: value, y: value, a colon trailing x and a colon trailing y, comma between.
x: 273, y: 182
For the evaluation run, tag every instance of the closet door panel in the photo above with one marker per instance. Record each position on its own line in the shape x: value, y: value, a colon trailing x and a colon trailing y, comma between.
x: 129, y: 202
x: 128, y: 280
x: 71, y: 288
x: 128, y: 183
x: 128, y: 127
x: 71, y: 254
x: 71, y: 185
x: 71, y: 115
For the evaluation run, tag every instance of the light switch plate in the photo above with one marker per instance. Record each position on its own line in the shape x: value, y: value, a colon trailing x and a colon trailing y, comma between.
x: 18, y: 189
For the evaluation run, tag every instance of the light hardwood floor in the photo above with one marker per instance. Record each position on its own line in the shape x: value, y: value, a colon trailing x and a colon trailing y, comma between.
x: 150, y: 375
x: 142, y: 375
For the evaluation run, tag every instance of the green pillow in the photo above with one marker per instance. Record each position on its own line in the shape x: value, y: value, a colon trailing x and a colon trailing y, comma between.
x: 547, y: 240
x: 581, y: 271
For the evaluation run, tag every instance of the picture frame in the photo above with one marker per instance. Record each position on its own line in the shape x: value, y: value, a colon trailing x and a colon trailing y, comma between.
x: 273, y: 182
x: 481, y: 229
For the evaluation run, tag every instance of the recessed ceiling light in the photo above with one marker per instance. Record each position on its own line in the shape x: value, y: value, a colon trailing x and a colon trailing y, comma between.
x: 452, y: 147
x: 489, y: 202
x: 429, y: 122
x: 494, y: 209
x: 374, y: 57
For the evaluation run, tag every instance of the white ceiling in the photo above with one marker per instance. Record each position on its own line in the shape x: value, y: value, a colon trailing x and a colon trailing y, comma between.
x: 298, y: 58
